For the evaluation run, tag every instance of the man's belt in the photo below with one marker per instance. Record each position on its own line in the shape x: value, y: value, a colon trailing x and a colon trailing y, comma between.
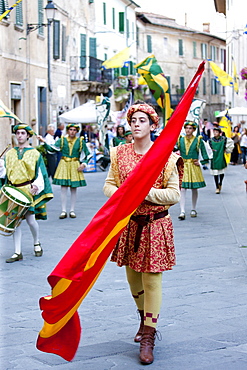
x: 22, y: 184
x: 68, y: 159
x: 143, y: 220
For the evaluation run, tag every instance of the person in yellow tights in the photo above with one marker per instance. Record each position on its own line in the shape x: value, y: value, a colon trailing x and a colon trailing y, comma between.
x: 146, y: 246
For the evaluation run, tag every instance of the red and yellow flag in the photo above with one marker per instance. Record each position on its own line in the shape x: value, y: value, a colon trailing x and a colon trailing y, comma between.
x: 79, y: 268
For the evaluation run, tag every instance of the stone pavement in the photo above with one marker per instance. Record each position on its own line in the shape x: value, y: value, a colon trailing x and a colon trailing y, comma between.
x: 203, y: 318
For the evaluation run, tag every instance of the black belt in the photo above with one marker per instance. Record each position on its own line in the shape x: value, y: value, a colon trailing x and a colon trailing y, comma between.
x: 143, y: 220
x: 22, y: 184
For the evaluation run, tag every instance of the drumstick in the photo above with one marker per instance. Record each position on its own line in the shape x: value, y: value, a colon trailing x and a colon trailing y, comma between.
x: 4, y: 150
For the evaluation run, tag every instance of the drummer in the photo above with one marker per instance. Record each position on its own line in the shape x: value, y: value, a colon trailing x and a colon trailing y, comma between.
x: 25, y: 170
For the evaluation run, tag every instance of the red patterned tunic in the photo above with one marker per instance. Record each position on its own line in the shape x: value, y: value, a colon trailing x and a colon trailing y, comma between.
x: 156, y: 251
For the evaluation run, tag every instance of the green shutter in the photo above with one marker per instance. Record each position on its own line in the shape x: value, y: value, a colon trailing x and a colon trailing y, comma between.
x: 56, y: 39
x: 83, y: 51
x: 19, y: 15
x: 40, y: 16
x: 63, y: 43
x: 113, y: 19
x: 121, y: 22
x: 204, y: 87
x: 92, y: 47
x: 3, y: 7
x: 180, y: 47
x: 149, y: 44
x: 128, y: 28
x: 132, y: 69
x: 181, y: 85
x: 169, y: 84
x: 137, y: 36
x: 124, y: 71
x: 104, y: 13
x: 194, y: 49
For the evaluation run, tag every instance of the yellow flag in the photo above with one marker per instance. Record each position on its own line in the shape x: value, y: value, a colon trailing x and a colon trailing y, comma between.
x: 225, y: 125
x: 118, y: 60
x: 235, y: 76
x: 224, y: 78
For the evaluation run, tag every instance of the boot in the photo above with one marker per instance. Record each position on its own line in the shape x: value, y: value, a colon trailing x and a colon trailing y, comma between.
x: 138, y: 336
x: 147, y: 345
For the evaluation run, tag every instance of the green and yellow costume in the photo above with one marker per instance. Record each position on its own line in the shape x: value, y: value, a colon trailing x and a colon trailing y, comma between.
x: 22, y: 167
x: 189, y: 151
x: 66, y: 173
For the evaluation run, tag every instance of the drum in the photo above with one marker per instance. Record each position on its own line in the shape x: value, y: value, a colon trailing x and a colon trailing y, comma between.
x: 14, y: 203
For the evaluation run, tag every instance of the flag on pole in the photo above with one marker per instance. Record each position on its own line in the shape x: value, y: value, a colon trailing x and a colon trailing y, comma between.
x: 79, y: 268
x: 195, y: 110
x: 6, y: 112
x: 118, y: 60
x: 235, y: 76
x: 226, y: 127
x: 157, y: 83
x: 224, y: 78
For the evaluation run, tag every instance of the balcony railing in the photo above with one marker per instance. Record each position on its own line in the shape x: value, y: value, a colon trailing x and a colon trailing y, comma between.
x: 93, y: 73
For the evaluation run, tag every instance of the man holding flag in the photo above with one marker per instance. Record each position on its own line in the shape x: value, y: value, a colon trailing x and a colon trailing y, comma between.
x: 146, y: 246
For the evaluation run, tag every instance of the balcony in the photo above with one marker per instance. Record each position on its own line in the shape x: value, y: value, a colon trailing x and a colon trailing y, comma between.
x: 93, y: 73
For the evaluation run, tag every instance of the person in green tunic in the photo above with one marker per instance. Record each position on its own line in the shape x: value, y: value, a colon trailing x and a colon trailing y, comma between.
x: 220, y: 145
x: 190, y: 146
x: 25, y: 170
x: 69, y: 172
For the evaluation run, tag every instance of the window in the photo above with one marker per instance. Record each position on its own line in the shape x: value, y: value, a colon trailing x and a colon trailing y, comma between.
x: 214, y: 86
x: 19, y: 15
x: 180, y: 48
x: 63, y: 43
x: 92, y: 47
x: 149, y: 44
x: 121, y: 22
x: 3, y: 7
x: 181, y: 79
x: 204, y: 51
x: 104, y: 13
x: 133, y: 31
x: 204, y: 86
x: 222, y: 55
x: 165, y: 41
x: 137, y: 36
x: 128, y: 28
x: 194, y: 49
x: 40, y: 17
x: 113, y: 19
x: 169, y: 84
x: 56, y: 39
x: 83, y: 48
x: 213, y: 52
x: 105, y: 56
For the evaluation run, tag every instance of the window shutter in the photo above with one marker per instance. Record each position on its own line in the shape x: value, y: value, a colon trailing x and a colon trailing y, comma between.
x: 121, y: 22
x: 169, y: 84
x: 125, y: 71
x: 83, y: 51
x: 63, y: 43
x: 3, y: 7
x: 92, y: 47
x: 104, y: 13
x: 180, y: 47
x: 137, y: 36
x: 194, y: 49
x: 204, y: 88
x: 19, y: 15
x: 113, y: 19
x: 181, y: 85
x: 128, y: 28
x: 149, y: 44
x: 40, y: 17
x: 56, y: 39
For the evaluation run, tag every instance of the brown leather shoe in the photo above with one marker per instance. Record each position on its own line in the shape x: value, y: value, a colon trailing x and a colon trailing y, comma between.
x: 147, y: 345
x: 138, y: 336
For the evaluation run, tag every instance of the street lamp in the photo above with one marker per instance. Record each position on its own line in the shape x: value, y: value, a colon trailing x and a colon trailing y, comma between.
x: 50, y: 10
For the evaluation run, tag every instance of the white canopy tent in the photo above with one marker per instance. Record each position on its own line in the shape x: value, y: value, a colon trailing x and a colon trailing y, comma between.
x: 236, y: 111
x: 85, y: 113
